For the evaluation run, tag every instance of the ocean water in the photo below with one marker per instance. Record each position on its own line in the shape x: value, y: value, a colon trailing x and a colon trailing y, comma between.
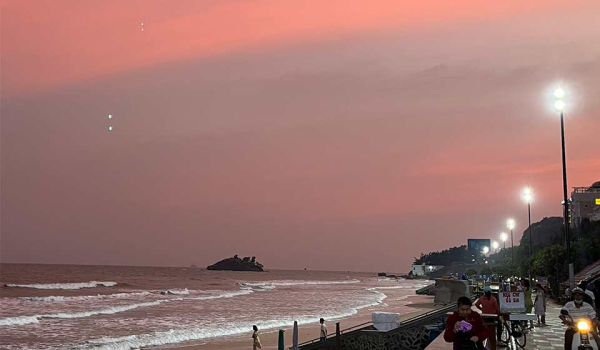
x: 116, y: 307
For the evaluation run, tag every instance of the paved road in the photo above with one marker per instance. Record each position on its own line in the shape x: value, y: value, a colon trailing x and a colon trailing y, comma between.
x: 550, y: 337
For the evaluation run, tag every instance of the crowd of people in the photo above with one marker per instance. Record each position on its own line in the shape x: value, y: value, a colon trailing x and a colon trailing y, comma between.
x: 466, y: 329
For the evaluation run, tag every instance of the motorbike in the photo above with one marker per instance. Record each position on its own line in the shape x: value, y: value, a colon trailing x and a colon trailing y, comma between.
x: 585, y: 340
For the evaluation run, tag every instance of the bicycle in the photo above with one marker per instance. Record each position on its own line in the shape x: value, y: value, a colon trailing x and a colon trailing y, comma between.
x: 514, y: 329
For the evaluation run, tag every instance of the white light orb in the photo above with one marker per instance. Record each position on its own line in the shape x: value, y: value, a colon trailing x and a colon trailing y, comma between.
x: 560, y: 105
x: 110, y: 128
x: 510, y: 223
x: 559, y: 93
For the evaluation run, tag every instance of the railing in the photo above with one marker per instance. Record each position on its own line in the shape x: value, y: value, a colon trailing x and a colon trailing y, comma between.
x: 333, y: 335
x: 411, y: 321
x: 586, y: 190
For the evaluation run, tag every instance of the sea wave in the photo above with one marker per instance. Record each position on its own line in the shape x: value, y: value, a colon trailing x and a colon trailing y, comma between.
x: 87, y: 297
x: 271, y: 284
x: 78, y: 285
x: 24, y: 320
x: 195, y: 334
x: 175, y: 291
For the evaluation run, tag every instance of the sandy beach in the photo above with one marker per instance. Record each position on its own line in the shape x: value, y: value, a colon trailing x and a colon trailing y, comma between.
x: 418, y: 303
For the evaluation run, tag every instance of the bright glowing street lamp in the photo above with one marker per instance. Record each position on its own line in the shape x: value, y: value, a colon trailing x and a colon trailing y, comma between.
x: 504, y: 237
x: 559, y: 104
x: 486, y: 250
x: 510, y: 223
x: 495, y: 245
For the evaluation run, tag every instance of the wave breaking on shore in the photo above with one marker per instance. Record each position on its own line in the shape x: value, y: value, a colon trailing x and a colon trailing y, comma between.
x: 69, y: 286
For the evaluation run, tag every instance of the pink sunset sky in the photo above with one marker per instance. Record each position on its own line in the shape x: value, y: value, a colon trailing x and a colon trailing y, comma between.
x: 332, y: 135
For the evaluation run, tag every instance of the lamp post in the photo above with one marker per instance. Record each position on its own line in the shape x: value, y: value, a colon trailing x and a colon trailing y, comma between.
x: 510, y: 223
x: 495, y: 245
x: 559, y: 104
x: 527, y: 197
x: 504, y: 237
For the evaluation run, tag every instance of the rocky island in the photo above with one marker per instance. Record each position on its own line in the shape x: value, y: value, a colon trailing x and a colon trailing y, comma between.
x: 237, y: 264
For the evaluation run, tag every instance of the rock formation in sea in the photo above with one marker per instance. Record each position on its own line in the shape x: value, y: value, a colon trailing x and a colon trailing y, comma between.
x: 237, y: 264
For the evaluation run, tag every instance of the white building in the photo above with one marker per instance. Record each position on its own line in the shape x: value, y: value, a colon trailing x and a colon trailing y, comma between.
x: 585, y: 204
x: 423, y: 270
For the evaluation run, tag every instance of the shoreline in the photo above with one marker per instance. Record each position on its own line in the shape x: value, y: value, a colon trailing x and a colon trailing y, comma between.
x: 419, y: 304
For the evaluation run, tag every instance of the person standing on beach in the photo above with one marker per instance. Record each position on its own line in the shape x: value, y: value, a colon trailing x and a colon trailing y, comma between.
x: 323, y: 333
x: 255, y: 339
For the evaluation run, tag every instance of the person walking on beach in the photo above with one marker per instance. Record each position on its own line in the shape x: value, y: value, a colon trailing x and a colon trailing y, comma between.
x: 539, y: 305
x: 255, y: 339
x: 323, y: 334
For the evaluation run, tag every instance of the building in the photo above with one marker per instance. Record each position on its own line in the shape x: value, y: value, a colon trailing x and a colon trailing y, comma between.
x: 423, y: 270
x: 479, y: 245
x: 585, y: 204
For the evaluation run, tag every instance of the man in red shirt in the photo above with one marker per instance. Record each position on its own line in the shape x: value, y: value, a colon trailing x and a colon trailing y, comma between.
x: 455, y: 333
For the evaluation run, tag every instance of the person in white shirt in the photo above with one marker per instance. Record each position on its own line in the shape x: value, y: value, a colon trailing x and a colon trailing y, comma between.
x: 577, y: 309
x: 323, y: 335
x: 584, y: 285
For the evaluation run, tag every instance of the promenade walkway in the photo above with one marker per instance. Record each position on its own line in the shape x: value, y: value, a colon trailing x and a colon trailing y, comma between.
x: 550, y: 337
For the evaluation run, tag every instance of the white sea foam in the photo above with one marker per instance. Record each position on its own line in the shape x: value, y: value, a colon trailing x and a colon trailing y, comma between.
x: 271, y: 284
x: 23, y: 320
x: 87, y: 297
x: 222, y: 295
x: 78, y: 285
x: 178, y: 336
x: 176, y: 291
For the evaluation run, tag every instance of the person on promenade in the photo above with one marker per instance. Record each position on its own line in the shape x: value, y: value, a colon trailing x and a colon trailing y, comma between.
x: 528, y: 298
x: 323, y: 333
x: 465, y: 326
x: 590, y: 295
x: 488, y: 304
x: 540, y: 304
x: 547, y: 291
x: 519, y: 286
x: 578, y: 309
x: 255, y: 339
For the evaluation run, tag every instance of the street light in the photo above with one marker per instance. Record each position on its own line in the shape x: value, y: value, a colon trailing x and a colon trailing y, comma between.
x: 495, y: 245
x: 528, y: 197
x: 486, y: 250
x: 504, y: 237
x: 559, y: 104
x: 510, y: 223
